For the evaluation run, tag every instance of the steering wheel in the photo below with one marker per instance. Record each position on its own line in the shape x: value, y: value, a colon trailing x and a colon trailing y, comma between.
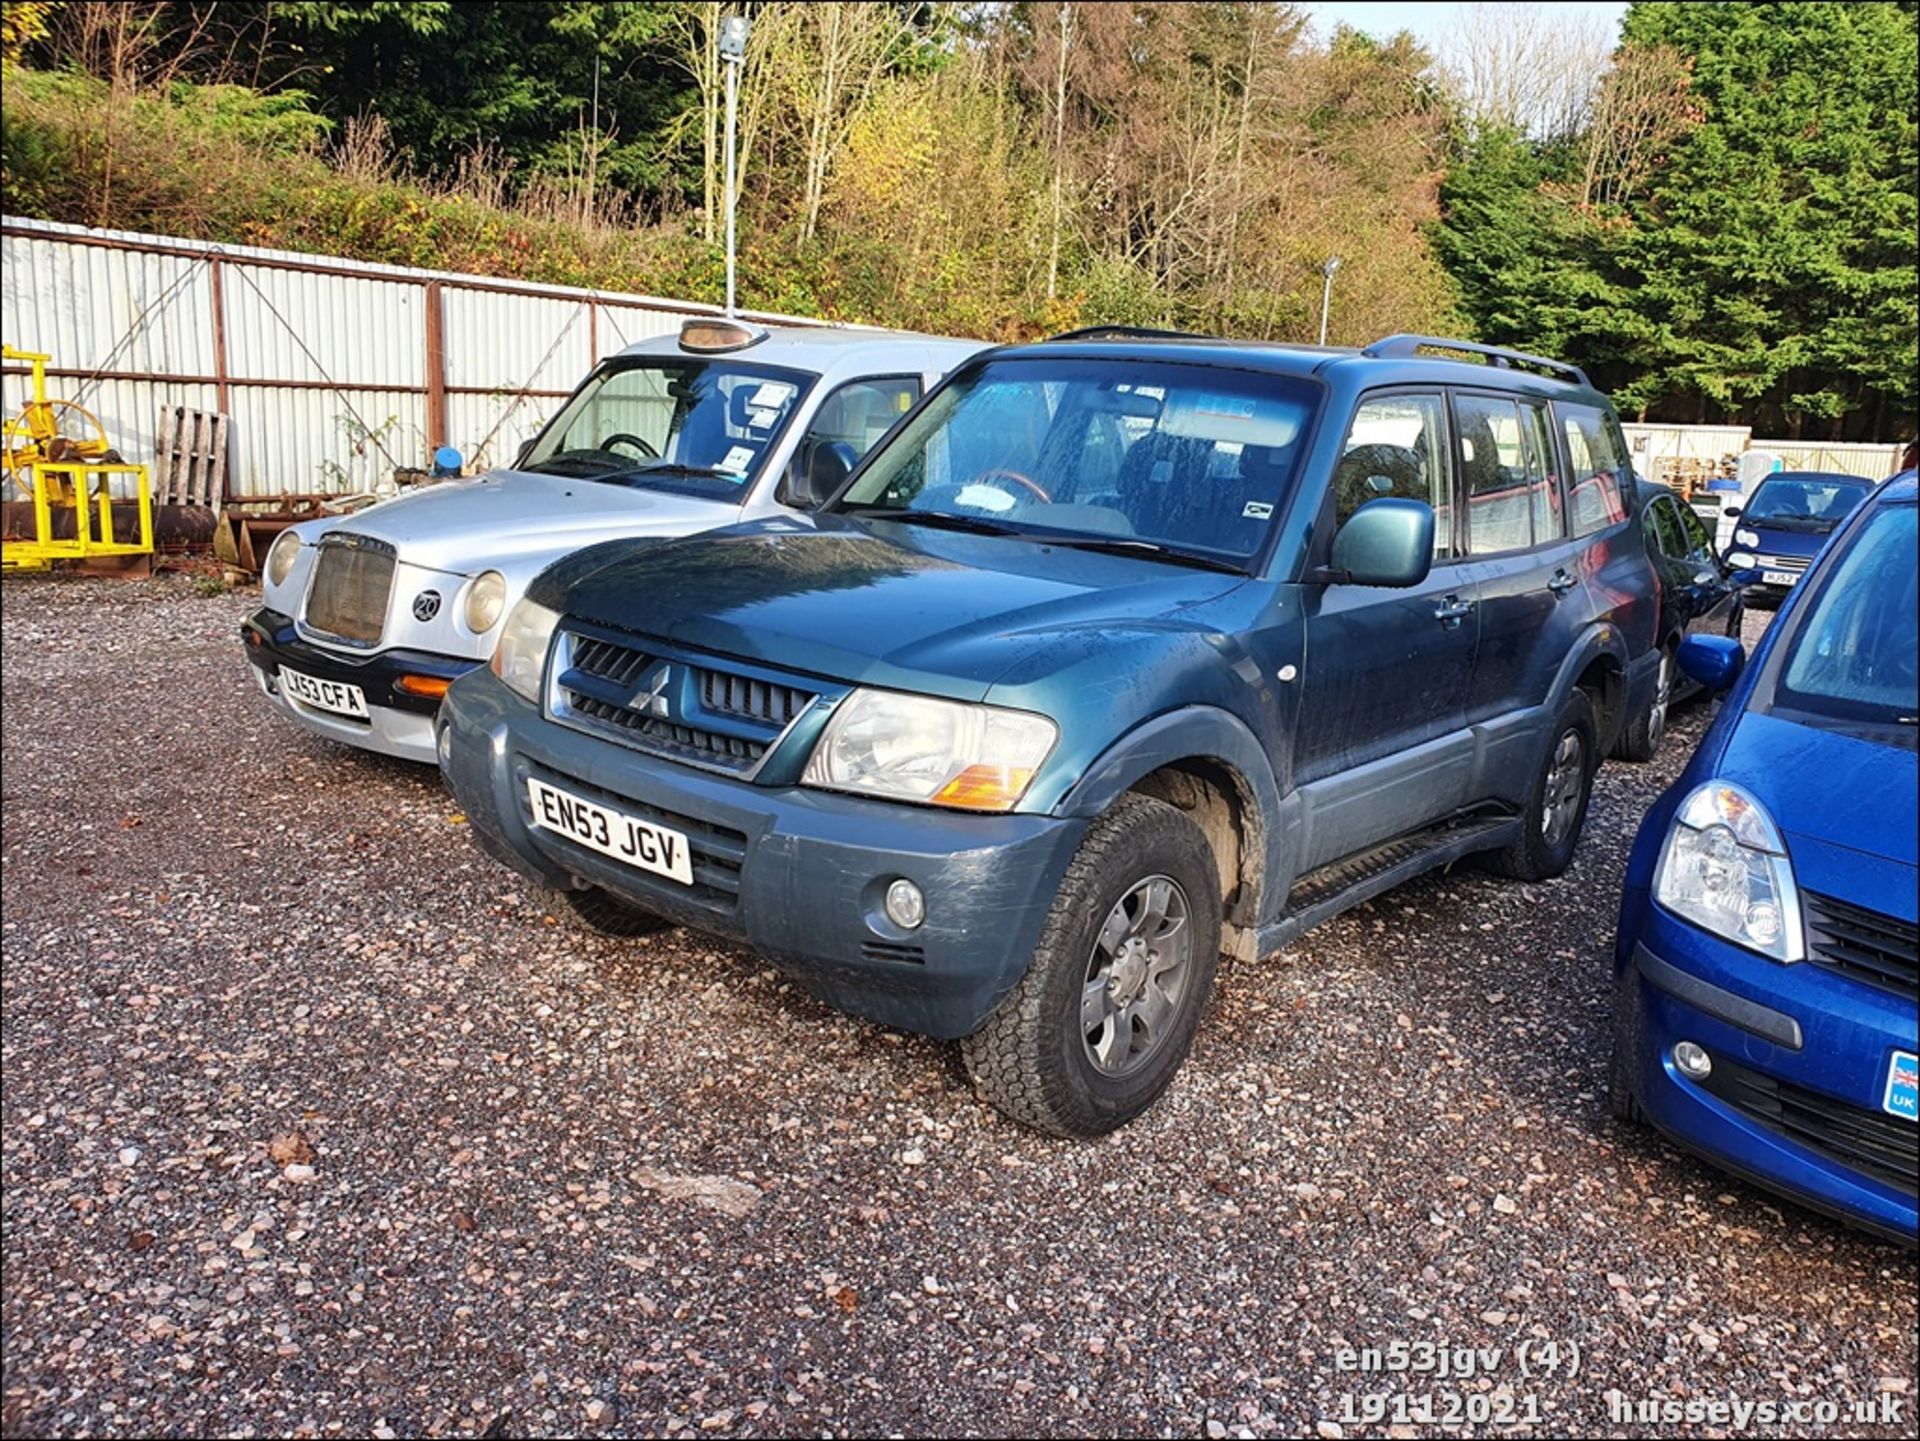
x: 647, y: 452
x: 1001, y: 472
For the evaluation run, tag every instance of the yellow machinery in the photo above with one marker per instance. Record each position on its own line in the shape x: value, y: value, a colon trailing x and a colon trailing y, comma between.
x: 57, y: 457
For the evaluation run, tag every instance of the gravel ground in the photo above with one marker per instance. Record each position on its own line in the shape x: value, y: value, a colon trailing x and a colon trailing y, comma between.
x: 315, y: 1123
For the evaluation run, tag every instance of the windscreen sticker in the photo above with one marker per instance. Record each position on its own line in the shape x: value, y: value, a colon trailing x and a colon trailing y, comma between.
x: 737, y: 460
x: 1256, y: 510
x: 1236, y: 407
x: 771, y: 395
x: 761, y: 419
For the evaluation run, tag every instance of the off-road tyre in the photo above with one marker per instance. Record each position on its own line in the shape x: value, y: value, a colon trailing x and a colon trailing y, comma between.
x: 1032, y: 1059
x: 1537, y: 855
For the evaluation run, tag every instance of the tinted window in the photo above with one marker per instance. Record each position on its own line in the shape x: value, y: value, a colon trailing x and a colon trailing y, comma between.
x: 1397, y: 446
x: 1187, y: 456
x: 1599, y: 468
x: 1699, y: 538
x: 1855, y: 659
x: 1664, y: 532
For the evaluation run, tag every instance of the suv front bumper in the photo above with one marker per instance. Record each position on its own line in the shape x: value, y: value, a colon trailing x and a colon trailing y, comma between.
x: 799, y: 875
x: 399, y: 724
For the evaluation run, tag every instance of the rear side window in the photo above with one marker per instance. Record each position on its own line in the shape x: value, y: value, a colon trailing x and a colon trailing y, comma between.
x: 1598, y: 470
x: 1397, y: 445
x: 1507, y: 476
x: 1699, y: 541
x: 1543, y: 474
x: 1663, y: 526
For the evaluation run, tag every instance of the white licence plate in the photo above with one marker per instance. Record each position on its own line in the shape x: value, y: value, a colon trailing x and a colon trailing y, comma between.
x: 626, y: 838
x: 1778, y: 577
x: 331, y: 695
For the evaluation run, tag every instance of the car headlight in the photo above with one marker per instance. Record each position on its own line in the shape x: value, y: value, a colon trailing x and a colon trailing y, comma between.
x: 1725, y: 869
x: 937, y: 752
x: 284, y: 551
x: 1741, y: 560
x: 1746, y: 537
x: 486, y: 598
x: 521, y: 656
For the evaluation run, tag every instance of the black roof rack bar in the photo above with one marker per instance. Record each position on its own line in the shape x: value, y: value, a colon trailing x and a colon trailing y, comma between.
x: 1127, y: 332
x: 1400, y: 346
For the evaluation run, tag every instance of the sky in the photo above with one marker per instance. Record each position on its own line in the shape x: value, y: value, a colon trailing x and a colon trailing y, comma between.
x: 1432, y: 21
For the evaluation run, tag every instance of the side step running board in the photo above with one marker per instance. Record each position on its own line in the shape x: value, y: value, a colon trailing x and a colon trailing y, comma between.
x: 1322, y: 894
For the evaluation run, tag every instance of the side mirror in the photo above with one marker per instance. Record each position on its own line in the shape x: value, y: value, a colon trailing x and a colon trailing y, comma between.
x: 1714, y: 661
x: 818, y: 472
x: 1385, y: 542
x: 1729, y: 510
x: 520, y: 455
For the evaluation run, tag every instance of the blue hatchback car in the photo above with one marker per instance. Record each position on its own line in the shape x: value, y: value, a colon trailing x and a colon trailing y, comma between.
x: 1786, y: 521
x: 1766, y: 963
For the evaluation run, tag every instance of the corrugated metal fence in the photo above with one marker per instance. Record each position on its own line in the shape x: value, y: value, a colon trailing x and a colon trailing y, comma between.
x: 334, y: 372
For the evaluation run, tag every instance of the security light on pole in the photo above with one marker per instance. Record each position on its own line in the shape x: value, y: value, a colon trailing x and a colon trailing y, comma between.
x: 733, y: 54
x: 1326, y: 292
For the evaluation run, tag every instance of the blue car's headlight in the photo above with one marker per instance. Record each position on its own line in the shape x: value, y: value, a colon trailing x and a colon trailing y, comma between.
x: 1725, y: 869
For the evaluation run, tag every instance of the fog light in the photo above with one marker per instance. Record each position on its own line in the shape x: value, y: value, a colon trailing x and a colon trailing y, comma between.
x: 1742, y: 560
x: 1693, y: 1061
x: 906, y: 907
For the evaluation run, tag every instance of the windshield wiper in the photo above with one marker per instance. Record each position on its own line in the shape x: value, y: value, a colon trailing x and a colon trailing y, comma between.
x: 945, y: 520
x: 1119, y: 545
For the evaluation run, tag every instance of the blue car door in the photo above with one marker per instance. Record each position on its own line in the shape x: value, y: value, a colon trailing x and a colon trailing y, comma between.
x: 1381, y: 746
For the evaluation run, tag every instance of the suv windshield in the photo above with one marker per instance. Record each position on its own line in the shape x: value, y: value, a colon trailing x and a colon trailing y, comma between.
x: 1182, y: 460
x: 693, y: 427
x: 1853, y: 663
x: 1805, y: 502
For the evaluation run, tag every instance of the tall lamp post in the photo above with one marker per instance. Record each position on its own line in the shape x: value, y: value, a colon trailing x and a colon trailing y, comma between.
x: 733, y: 54
x: 1326, y: 292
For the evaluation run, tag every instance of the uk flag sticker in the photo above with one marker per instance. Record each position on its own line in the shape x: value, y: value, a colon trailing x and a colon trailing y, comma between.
x: 1903, y: 1086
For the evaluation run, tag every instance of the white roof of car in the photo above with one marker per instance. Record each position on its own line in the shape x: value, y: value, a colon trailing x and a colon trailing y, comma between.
x: 829, y: 348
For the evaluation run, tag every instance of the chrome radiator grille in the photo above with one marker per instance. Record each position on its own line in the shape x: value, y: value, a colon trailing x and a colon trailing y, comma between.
x: 347, y: 598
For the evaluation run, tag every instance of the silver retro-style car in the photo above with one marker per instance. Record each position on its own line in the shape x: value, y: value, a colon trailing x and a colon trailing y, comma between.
x: 368, y: 617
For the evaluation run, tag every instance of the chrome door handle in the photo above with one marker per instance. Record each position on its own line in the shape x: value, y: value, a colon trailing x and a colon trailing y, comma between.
x: 1453, y: 611
x: 1560, y: 582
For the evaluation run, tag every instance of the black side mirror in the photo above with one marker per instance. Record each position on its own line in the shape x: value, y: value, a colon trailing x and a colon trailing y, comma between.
x: 520, y: 455
x: 1385, y: 542
x: 1729, y: 510
x: 818, y: 472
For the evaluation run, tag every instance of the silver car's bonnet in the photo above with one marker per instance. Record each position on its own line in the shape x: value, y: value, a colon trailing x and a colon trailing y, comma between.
x: 464, y: 527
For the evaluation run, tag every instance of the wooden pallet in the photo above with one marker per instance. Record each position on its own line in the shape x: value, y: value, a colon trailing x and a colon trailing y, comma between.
x: 190, y: 458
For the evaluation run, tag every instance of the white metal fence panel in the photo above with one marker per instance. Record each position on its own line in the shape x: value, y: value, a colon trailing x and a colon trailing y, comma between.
x: 1875, y: 462
x: 334, y: 373
x: 323, y: 329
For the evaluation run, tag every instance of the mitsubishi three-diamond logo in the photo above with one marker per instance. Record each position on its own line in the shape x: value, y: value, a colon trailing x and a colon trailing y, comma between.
x: 651, y: 697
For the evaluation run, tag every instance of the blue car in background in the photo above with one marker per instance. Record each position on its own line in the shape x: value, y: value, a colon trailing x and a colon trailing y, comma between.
x: 1766, y: 961
x: 1785, y: 522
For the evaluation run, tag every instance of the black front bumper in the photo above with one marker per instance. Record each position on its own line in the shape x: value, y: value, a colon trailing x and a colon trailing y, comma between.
x: 273, y: 642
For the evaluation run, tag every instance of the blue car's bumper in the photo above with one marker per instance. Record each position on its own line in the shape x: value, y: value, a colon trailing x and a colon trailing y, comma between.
x: 1801, y: 1057
x: 799, y: 875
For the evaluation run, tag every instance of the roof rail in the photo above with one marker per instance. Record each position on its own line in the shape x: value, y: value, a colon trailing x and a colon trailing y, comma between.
x: 1127, y: 332
x: 1401, y: 346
